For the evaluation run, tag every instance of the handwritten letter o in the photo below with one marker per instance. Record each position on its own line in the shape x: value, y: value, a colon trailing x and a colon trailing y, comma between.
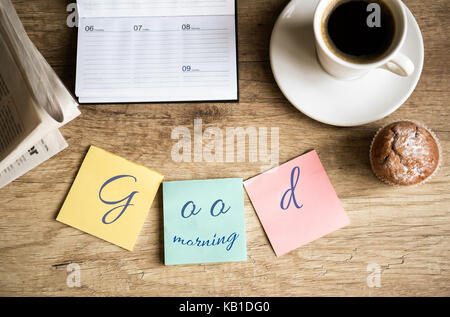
x: 192, y: 212
x: 222, y: 211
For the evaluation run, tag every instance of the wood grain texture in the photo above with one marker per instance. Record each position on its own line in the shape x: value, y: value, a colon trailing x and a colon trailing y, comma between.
x: 404, y: 230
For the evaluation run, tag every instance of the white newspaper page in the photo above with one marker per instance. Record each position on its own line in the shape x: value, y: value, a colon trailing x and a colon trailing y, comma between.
x: 23, y: 122
x: 34, y: 102
x: 18, y: 114
x: 47, y: 147
x: 48, y: 90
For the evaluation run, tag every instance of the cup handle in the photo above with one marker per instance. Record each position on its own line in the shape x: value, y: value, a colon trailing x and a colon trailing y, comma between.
x: 400, y: 64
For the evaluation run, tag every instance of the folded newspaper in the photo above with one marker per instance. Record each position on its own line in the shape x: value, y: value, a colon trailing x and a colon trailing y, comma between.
x: 34, y: 103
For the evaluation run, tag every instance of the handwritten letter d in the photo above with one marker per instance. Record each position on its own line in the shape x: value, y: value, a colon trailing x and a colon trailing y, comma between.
x: 290, y: 193
x: 124, y: 206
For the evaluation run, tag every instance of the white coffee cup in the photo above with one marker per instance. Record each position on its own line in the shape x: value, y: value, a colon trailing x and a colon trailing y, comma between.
x: 393, y: 60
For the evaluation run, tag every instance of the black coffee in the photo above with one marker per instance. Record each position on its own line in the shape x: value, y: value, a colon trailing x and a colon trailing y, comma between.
x: 353, y: 37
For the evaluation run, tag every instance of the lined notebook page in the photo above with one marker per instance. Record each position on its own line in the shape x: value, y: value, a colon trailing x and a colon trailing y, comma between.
x: 126, y: 58
x: 135, y: 8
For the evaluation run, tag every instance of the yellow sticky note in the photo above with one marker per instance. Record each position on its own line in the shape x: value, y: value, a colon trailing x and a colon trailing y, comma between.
x: 110, y: 198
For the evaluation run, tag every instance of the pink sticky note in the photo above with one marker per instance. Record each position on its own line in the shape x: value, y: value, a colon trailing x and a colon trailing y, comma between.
x: 296, y: 203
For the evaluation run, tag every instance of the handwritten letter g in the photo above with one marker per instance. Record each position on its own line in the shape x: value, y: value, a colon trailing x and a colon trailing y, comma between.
x: 124, y: 206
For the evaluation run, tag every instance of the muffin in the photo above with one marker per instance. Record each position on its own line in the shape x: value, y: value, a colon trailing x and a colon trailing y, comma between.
x: 404, y: 153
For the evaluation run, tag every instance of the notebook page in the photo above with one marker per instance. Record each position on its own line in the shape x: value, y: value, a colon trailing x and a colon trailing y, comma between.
x: 151, y: 59
x: 136, y: 8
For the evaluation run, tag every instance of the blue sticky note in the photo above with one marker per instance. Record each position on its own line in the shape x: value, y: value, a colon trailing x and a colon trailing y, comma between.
x: 204, y: 221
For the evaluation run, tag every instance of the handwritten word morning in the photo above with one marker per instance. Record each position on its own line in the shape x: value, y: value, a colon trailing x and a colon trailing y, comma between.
x: 215, y: 241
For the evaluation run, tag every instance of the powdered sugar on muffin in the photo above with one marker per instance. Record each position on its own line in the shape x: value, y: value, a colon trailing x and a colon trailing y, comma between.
x: 404, y: 153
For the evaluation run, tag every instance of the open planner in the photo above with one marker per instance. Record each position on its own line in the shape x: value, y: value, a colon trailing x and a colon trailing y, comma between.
x: 156, y: 51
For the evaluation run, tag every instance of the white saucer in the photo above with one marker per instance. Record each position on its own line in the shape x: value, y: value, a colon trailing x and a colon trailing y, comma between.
x: 322, y: 97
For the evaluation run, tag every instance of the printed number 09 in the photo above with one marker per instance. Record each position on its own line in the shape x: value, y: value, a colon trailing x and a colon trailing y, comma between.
x: 186, y: 68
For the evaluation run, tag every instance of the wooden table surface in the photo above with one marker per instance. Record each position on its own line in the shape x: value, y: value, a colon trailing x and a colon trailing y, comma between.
x: 403, y: 230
